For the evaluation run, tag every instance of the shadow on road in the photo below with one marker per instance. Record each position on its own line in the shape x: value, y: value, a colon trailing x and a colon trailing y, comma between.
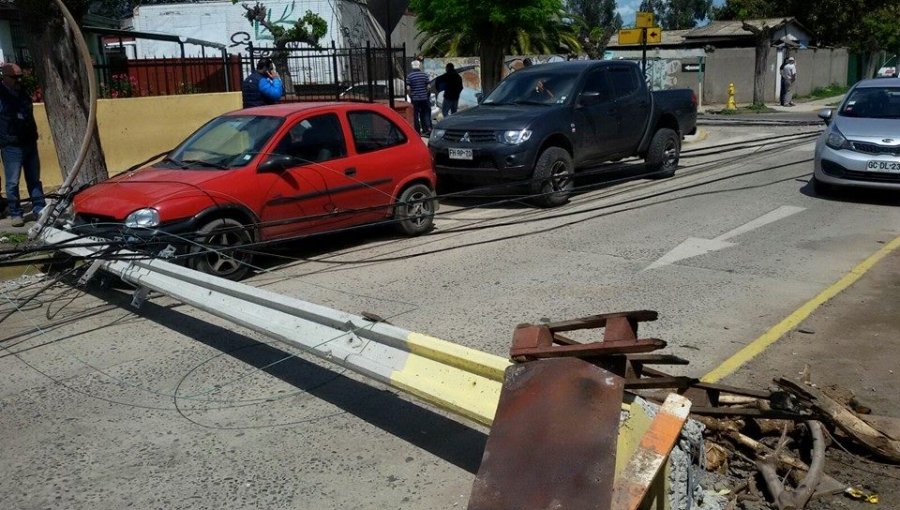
x: 854, y: 195
x: 515, y: 195
x: 443, y: 437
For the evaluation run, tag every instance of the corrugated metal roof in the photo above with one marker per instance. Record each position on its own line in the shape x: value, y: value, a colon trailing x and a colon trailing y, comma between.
x: 735, y: 28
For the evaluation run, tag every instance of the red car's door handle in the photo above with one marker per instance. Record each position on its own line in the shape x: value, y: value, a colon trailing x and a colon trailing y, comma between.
x: 350, y: 171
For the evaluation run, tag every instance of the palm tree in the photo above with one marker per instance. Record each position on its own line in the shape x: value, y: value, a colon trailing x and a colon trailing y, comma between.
x: 558, y: 35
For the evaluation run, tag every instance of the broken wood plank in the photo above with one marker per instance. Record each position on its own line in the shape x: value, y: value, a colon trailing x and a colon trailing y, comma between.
x: 648, y: 383
x: 633, y: 483
x: 657, y: 359
x: 877, y: 442
x: 827, y: 485
x: 887, y: 425
x: 749, y: 412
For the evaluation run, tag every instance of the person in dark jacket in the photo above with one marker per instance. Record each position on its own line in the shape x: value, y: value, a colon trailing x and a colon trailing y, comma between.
x: 451, y: 84
x: 18, y: 143
x: 263, y: 86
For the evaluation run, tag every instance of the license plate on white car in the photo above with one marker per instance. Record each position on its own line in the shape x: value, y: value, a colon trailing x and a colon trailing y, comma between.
x: 461, y: 154
x: 883, y: 166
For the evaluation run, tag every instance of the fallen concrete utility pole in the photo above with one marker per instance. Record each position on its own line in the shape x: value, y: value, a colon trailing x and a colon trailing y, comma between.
x: 462, y: 380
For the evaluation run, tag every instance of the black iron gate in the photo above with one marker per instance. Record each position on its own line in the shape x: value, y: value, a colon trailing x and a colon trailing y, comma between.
x: 331, y: 73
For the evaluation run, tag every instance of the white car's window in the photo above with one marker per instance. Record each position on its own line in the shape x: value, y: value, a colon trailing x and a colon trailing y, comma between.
x: 873, y: 103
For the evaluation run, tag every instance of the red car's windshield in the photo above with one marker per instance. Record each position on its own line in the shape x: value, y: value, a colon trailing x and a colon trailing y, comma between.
x: 225, y: 142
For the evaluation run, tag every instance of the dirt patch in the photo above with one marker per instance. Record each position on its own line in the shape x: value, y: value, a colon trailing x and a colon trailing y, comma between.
x: 853, y: 342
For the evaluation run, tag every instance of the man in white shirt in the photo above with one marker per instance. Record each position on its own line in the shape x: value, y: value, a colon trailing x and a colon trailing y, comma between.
x: 788, y: 77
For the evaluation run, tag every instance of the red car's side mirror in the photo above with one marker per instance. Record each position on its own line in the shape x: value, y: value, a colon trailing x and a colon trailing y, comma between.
x: 275, y: 163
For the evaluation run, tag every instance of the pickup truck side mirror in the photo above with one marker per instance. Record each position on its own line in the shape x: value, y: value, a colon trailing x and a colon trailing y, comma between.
x: 275, y: 163
x: 826, y: 115
x: 588, y: 98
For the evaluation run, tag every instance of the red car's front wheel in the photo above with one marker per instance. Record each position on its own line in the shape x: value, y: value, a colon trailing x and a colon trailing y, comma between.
x: 218, y: 250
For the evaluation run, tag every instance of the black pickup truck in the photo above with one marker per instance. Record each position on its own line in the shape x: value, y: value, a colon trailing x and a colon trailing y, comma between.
x: 543, y: 122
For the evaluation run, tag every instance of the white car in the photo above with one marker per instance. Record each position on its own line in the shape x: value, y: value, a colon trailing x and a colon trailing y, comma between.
x: 360, y: 91
x: 861, y: 145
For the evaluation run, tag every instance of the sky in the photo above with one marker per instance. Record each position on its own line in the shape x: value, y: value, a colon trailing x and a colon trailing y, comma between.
x: 627, y: 8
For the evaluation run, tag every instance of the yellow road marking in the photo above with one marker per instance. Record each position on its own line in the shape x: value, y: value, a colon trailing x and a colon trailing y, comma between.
x: 771, y: 336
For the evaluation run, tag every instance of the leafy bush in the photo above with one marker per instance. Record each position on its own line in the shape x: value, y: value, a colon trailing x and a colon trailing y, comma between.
x: 119, y: 85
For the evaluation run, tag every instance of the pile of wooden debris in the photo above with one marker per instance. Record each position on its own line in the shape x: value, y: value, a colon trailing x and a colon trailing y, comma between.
x: 771, y: 445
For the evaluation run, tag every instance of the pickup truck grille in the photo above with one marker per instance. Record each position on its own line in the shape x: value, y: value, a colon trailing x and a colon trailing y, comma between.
x: 474, y: 136
x: 872, y: 148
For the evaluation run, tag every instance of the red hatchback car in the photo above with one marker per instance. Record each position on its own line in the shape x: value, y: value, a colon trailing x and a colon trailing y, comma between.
x: 267, y: 173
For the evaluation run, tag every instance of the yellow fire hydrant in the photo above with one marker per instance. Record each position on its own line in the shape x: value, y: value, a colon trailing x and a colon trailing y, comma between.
x: 731, y: 104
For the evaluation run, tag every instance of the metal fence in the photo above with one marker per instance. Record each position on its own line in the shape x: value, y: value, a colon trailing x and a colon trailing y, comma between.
x: 327, y: 74
x: 168, y: 76
x: 342, y: 74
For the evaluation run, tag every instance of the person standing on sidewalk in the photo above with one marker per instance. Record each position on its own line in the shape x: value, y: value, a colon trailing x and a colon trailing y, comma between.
x: 451, y: 83
x: 417, y: 88
x: 262, y: 87
x: 788, y: 77
x: 18, y: 143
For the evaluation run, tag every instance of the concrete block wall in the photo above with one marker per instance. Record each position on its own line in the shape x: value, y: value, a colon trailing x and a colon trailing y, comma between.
x: 815, y: 68
x: 133, y: 129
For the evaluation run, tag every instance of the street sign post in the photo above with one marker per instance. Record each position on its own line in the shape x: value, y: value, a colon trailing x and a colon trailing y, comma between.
x: 644, y: 33
x: 644, y: 20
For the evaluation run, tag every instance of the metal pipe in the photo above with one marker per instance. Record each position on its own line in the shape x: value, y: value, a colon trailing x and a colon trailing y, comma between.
x: 91, y: 120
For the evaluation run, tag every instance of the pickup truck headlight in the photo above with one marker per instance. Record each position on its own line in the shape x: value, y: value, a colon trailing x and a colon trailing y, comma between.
x: 143, y: 218
x: 516, y: 137
x: 437, y: 134
x: 836, y: 140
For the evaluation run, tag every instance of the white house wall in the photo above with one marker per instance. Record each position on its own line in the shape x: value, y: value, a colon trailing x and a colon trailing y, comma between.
x: 349, y: 24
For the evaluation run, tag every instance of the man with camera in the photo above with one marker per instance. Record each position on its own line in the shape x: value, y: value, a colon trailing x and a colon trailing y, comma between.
x: 263, y: 86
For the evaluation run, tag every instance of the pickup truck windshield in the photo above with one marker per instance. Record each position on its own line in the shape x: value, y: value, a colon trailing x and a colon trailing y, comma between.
x: 225, y: 142
x: 551, y: 87
x: 873, y: 103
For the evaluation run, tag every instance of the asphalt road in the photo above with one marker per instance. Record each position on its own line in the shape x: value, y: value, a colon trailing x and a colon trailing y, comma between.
x: 103, y: 406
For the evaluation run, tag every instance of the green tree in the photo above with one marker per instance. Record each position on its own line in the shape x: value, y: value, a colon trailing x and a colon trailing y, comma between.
x: 681, y: 14
x: 557, y: 35
x: 306, y: 30
x: 879, y: 31
x: 596, y: 21
x: 865, y: 26
x: 748, y: 9
x: 492, y: 25
x: 61, y: 71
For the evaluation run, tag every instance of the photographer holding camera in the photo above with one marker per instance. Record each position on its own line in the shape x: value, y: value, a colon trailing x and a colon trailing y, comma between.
x: 262, y: 87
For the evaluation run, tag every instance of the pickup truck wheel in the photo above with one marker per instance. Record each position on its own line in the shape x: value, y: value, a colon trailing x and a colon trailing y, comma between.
x: 218, y: 250
x: 415, y: 210
x: 553, y: 179
x: 662, y: 156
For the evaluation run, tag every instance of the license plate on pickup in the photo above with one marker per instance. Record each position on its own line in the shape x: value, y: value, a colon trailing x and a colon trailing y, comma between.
x: 461, y: 154
x: 883, y: 166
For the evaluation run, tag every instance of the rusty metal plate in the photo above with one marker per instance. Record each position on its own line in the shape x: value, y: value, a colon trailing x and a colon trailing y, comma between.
x: 553, y: 440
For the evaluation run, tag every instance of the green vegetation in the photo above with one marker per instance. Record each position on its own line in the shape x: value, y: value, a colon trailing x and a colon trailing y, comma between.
x: 494, y: 26
x: 11, y: 238
x: 823, y: 92
x: 743, y: 110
